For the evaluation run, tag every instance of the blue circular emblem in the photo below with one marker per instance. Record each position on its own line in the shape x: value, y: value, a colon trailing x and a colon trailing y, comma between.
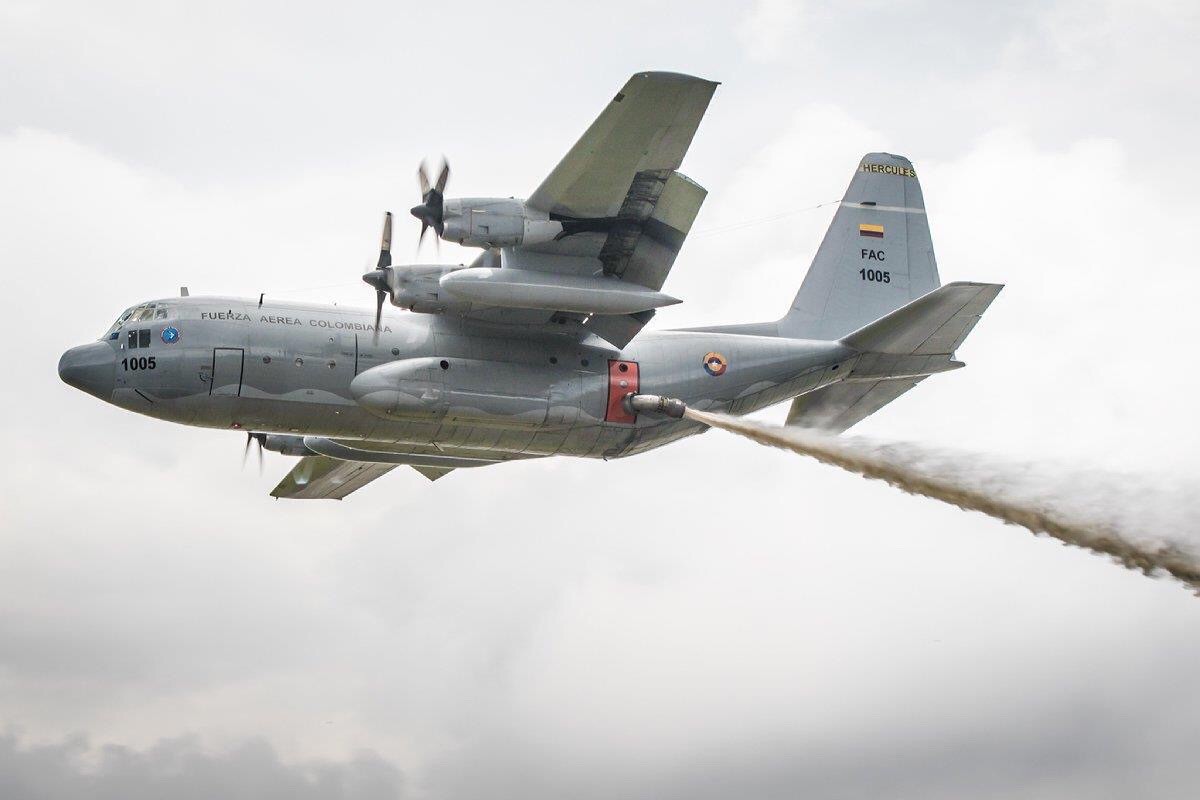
x: 170, y: 335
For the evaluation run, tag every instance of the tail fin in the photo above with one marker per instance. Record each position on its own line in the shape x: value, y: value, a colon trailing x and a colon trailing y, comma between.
x: 876, y: 257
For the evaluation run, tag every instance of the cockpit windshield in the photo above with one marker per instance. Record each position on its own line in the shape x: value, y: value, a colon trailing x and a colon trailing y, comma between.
x: 146, y: 312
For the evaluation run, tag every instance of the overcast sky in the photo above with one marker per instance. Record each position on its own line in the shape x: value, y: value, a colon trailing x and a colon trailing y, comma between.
x: 711, y: 620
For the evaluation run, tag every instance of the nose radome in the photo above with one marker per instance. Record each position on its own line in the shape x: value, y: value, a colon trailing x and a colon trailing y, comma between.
x: 90, y: 368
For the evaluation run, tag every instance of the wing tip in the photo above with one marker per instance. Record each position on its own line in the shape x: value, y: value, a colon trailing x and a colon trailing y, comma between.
x: 666, y: 76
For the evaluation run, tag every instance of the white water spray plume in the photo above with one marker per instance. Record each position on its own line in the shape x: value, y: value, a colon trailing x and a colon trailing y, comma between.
x: 1142, y: 524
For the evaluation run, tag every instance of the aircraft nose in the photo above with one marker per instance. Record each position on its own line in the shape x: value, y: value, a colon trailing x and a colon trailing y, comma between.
x: 90, y: 368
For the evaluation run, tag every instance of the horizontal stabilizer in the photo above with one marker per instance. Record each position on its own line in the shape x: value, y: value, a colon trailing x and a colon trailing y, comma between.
x: 935, y: 324
x: 839, y: 406
x: 896, y: 352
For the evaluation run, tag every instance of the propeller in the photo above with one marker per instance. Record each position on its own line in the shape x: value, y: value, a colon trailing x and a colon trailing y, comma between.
x: 254, y: 437
x: 430, y: 211
x: 378, y: 277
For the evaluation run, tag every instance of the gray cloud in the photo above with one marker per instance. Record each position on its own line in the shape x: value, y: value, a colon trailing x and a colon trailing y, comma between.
x: 1069, y: 749
x: 181, y: 769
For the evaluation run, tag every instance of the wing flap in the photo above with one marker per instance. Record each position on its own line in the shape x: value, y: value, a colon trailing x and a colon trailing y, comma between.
x: 639, y: 244
x: 645, y: 251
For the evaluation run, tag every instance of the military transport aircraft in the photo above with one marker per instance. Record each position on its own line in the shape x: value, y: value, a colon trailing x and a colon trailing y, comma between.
x: 536, y: 348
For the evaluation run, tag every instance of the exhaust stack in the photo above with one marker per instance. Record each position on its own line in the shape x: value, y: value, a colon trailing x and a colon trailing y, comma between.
x: 654, y: 404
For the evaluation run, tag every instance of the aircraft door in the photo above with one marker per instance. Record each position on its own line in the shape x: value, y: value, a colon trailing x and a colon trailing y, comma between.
x: 226, y: 372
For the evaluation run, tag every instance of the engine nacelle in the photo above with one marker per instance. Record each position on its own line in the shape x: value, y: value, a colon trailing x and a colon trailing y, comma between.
x: 286, y: 444
x: 496, y: 222
x: 417, y: 288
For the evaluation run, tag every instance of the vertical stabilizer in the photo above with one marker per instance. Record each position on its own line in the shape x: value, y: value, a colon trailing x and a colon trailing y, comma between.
x: 876, y: 256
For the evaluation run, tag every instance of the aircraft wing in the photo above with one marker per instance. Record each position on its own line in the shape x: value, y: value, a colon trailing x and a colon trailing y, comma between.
x: 646, y: 127
x: 323, y: 478
x: 624, y: 208
x: 339, y: 467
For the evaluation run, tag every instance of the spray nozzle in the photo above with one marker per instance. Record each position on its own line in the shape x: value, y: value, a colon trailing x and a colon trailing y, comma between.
x: 654, y: 404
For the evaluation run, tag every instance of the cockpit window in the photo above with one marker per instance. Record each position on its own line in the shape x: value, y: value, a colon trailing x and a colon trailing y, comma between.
x: 146, y: 312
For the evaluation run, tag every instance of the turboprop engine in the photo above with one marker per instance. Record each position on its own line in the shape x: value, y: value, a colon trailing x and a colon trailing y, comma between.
x: 286, y: 444
x: 479, y: 221
x: 417, y: 287
x: 495, y: 222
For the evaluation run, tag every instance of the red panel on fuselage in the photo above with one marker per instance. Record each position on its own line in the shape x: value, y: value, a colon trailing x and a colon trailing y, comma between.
x: 622, y: 379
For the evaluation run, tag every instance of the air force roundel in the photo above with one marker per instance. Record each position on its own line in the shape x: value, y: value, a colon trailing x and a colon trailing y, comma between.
x: 715, y: 364
x: 170, y: 335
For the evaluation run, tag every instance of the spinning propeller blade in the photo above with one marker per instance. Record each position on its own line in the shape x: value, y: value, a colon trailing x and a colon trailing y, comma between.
x: 379, y: 278
x: 443, y: 176
x: 430, y: 212
x: 423, y: 178
x: 254, y: 437
x: 379, y: 295
x: 385, y: 244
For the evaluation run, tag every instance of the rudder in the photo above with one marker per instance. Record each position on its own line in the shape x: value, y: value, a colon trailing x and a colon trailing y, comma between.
x: 876, y: 256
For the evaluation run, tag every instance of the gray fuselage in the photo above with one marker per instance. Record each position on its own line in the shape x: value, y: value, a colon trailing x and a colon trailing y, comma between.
x: 447, y: 385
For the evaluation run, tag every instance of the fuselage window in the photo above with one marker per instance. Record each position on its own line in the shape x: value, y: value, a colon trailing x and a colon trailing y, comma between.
x: 144, y: 337
x: 132, y: 339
